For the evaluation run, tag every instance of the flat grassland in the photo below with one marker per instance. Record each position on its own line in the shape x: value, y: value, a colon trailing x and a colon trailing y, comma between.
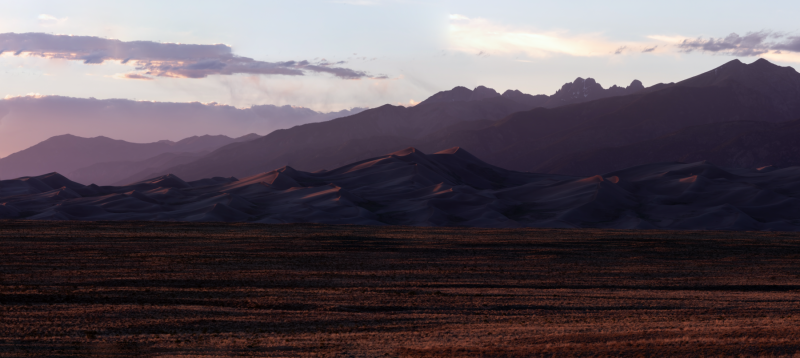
x: 185, y: 289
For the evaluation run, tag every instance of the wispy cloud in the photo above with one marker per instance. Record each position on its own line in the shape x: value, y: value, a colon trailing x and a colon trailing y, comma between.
x: 164, y: 59
x: 135, y: 76
x: 50, y: 20
x: 482, y: 37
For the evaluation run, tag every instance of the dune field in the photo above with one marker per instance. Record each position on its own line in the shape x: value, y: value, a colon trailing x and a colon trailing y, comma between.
x: 449, y: 188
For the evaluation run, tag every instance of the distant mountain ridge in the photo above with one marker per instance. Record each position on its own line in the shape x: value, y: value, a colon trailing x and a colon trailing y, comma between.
x: 29, y: 120
x: 581, y: 90
x: 68, y: 153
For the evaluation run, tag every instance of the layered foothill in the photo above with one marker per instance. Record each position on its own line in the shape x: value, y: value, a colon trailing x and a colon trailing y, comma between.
x: 104, y: 161
x: 449, y: 188
x: 28, y: 120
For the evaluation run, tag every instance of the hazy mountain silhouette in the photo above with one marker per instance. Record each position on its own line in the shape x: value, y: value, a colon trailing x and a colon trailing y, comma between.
x: 378, y: 130
x: 666, y: 122
x: 68, y: 153
x: 449, y: 188
x: 282, y: 147
x: 118, y: 172
x: 32, y: 119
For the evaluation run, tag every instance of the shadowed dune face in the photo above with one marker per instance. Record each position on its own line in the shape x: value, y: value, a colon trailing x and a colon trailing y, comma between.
x: 449, y: 188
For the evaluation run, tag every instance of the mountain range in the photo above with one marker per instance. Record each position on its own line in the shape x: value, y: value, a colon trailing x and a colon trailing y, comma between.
x: 449, y: 188
x: 494, y: 129
x: 672, y: 152
x: 384, y: 129
x: 458, y: 108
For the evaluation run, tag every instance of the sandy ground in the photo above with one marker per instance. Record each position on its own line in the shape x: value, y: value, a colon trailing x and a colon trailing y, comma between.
x: 185, y: 289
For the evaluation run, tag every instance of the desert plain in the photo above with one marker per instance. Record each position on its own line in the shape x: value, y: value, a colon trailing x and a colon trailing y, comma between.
x: 214, y: 289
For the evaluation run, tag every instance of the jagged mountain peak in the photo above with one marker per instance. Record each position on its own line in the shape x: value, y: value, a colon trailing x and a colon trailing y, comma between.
x: 482, y: 92
x: 749, y: 75
x: 458, y: 93
x: 579, y: 90
x: 777, y: 84
x: 635, y: 85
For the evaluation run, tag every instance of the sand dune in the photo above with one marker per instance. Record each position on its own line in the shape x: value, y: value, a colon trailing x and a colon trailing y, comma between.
x: 449, y: 188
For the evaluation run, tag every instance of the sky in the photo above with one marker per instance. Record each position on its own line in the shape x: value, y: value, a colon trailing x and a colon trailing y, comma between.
x: 334, y: 55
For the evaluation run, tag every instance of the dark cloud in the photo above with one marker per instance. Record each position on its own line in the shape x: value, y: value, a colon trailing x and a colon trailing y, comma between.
x: 650, y: 49
x: 792, y: 44
x: 619, y: 50
x: 136, y: 76
x: 164, y: 59
x: 751, y: 44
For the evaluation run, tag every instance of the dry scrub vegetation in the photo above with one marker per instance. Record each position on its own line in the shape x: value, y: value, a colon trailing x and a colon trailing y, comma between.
x: 181, y: 289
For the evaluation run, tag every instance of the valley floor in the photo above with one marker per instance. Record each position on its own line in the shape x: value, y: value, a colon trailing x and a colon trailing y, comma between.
x: 210, y: 289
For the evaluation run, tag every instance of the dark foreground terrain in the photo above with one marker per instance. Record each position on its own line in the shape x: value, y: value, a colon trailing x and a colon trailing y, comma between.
x: 188, y: 289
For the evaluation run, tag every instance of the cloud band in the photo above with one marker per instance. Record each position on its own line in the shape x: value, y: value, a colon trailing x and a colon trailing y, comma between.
x: 163, y: 59
x: 751, y: 44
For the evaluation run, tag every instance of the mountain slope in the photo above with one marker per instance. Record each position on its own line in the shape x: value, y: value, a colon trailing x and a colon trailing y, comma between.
x: 740, y: 144
x: 117, y: 172
x: 271, y: 151
x: 527, y: 140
